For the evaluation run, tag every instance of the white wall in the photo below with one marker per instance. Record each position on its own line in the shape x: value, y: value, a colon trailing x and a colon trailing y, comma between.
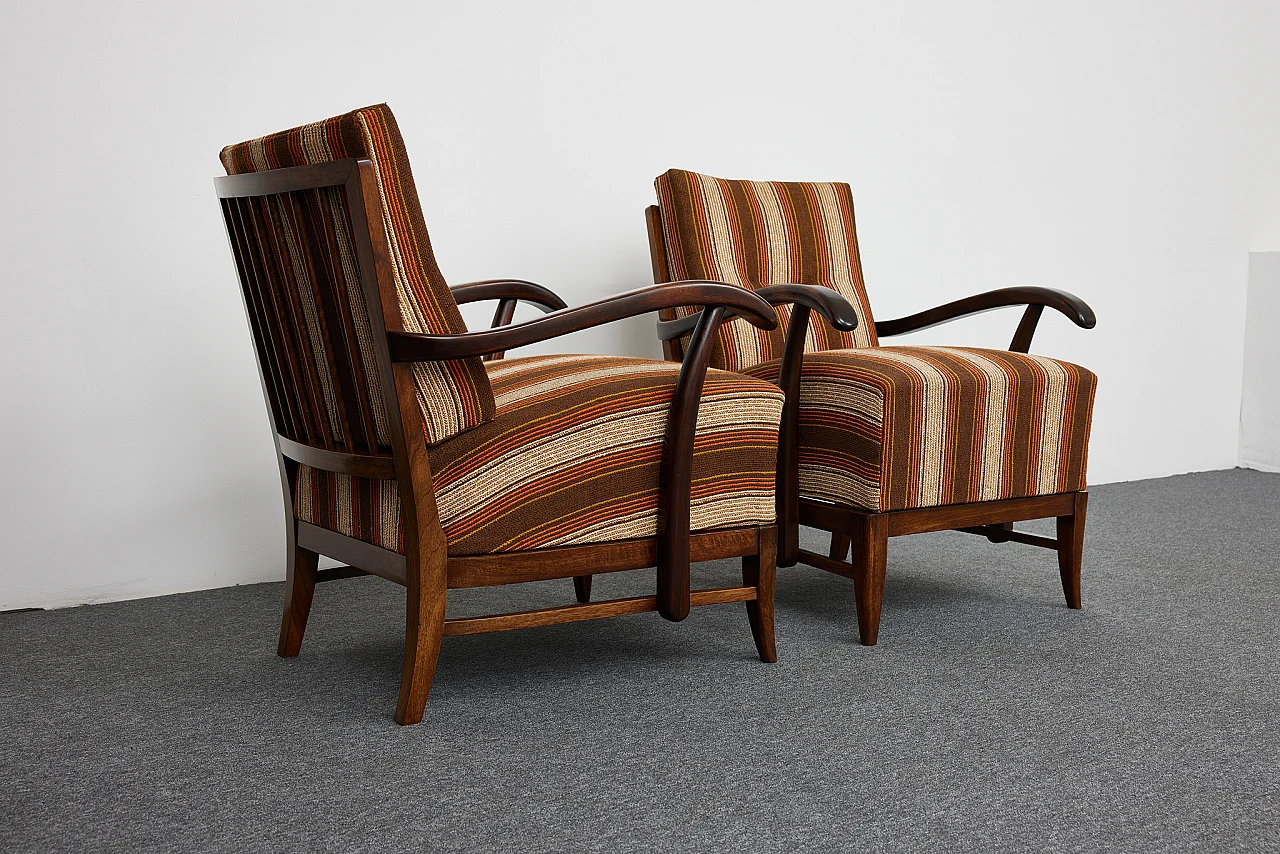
x: 1111, y: 149
x: 1260, y: 404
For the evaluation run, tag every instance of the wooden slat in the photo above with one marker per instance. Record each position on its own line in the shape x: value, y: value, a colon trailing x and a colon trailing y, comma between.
x: 589, y: 611
x: 284, y: 180
x: 947, y: 518
x: 278, y: 322
x: 359, y: 465
x: 818, y: 561
x: 374, y: 560
x: 1012, y: 536
x: 337, y: 572
x: 290, y: 290
x: 257, y: 298
x: 325, y: 308
x: 832, y: 517
x: 570, y: 561
x: 326, y: 200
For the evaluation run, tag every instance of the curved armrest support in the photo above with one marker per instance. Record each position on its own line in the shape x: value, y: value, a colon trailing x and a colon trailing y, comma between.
x: 805, y: 298
x: 414, y: 347
x: 514, y: 290
x: 834, y: 308
x: 507, y: 292
x: 676, y: 470
x: 1035, y: 299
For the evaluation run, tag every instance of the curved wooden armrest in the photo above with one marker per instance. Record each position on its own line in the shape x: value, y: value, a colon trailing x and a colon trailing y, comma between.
x: 515, y: 290
x: 834, y: 308
x: 1035, y: 299
x: 507, y: 292
x: 413, y: 347
x: 839, y: 313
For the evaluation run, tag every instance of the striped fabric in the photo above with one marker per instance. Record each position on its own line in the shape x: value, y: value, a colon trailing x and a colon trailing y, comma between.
x: 890, y: 428
x: 757, y: 233
x: 453, y: 395
x: 572, y: 456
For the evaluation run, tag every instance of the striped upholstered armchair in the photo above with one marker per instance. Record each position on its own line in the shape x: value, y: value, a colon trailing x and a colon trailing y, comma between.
x: 880, y: 441
x: 409, y: 449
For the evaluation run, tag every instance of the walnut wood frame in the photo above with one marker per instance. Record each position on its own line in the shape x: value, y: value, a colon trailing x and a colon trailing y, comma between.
x: 855, y: 532
x: 289, y: 374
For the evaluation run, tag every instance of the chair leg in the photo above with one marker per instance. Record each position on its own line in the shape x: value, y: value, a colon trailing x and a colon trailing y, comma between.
x: 1070, y: 549
x: 582, y: 588
x: 759, y: 571
x: 870, y: 542
x: 424, y: 629
x: 839, y: 545
x: 996, y: 538
x: 299, y: 588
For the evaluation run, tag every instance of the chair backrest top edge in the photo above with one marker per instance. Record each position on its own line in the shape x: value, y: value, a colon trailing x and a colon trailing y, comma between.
x: 287, y: 179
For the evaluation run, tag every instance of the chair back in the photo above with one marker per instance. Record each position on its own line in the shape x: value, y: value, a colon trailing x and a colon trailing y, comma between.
x: 305, y: 262
x: 759, y: 233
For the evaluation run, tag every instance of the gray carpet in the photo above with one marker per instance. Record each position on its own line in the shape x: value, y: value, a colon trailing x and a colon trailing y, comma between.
x: 990, y: 717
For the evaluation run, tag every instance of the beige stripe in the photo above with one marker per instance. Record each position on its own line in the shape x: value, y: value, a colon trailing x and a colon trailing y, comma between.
x: 582, y: 378
x: 778, y: 261
x: 933, y: 429
x: 502, y: 367
x: 607, y: 435
x: 389, y: 519
x: 722, y: 265
x: 861, y: 399
x: 1052, y: 422
x: 345, y: 509
x: 411, y: 313
x: 991, y: 454
x: 839, y: 274
x: 723, y: 510
x: 434, y: 388
x: 839, y: 487
x: 258, y: 154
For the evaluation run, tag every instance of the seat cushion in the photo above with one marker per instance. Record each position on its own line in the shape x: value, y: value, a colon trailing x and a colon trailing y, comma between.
x: 891, y: 428
x: 757, y: 233
x: 572, y: 456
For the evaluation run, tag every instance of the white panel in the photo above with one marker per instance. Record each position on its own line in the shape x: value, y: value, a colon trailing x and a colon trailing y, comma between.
x: 1109, y: 149
x: 1260, y: 403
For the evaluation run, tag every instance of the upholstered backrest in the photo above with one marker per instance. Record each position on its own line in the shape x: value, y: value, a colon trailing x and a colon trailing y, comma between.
x: 758, y: 233
x: 453, y: 395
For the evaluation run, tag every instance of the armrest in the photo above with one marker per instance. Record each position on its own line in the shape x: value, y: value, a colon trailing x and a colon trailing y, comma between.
x: 834, y: 308
x: 1036, y: 300
x: 413, y: 347
x: 507, y: 292
x: 675, y: 486
x: 839, y: 313
x: 508, y: 289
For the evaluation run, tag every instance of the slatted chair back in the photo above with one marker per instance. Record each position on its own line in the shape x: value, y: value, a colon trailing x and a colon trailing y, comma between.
x: 300, y: 272
x: 304, y: 244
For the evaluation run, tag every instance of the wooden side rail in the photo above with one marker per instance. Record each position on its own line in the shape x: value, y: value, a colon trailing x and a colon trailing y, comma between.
x: 589, y: 611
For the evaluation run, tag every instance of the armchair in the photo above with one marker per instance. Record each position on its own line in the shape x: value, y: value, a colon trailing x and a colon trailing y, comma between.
x: 406, y: 455
x: 881, y: 441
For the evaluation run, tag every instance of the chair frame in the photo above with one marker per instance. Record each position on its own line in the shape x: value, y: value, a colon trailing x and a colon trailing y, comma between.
x: 288, y: 372
x: 861, y: 534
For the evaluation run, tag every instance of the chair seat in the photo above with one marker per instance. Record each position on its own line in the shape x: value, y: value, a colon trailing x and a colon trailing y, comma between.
x: 572, y: 457
x: 892, y: 428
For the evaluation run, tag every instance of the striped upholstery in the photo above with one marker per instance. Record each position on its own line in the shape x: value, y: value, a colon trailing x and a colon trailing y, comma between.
x: 572, y: 456
x: 757, y: 233
x: 453, y: 395
x: 890, y: 428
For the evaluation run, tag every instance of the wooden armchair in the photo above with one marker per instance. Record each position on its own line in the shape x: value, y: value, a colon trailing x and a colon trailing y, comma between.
x: 879, y: 441
x: 406, y: 455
